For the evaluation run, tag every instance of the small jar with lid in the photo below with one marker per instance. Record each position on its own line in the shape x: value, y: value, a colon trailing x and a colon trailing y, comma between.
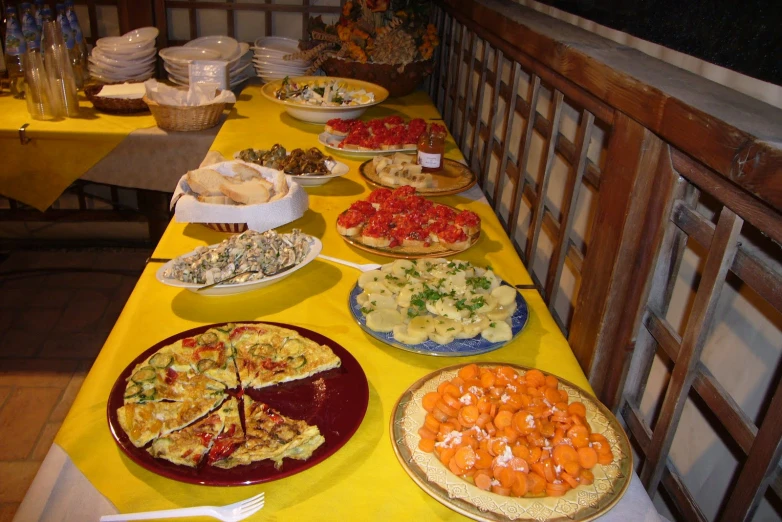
x: 431, y: 147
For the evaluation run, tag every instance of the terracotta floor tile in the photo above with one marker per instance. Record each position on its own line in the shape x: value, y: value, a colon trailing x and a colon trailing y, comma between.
x: 5, y: 391
x: 7, y: 511
x: 74, y: 345
x: 83, y: 312
x: 124, y: 260
x: 37, y: 373
x: 14, y: 298
x: 22, y: 343
x: 45, y: 440
x: 23, y: 474
x: 65, y: 258
x: 6, y: 318
x: 49, y: 297
x: 93, y: 280
x: 68, y: 396
x: 22, y: 418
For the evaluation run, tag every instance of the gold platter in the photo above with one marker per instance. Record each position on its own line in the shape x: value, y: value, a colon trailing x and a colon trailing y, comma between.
x: 453, y: 178
x: 581, y: 504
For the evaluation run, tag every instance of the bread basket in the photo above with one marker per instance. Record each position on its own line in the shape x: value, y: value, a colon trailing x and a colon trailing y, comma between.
x: 113, y: 105
x: 185, y: 118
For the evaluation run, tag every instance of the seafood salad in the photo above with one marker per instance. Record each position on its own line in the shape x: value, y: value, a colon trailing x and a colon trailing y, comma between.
x: 298, y: 163
x: 262, y: 254
x: 329, y: 93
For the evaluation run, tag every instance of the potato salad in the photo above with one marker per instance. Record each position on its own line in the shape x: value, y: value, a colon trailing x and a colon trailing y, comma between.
x: 437, y: 299
x: 325, y: 93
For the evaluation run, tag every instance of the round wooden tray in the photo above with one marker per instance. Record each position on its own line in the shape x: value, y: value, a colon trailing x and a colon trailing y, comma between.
x: 452, y: 178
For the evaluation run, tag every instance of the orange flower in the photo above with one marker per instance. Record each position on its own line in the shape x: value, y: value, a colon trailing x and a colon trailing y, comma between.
x: 377, y: 6
x: 344, y: 33
x: 359, y: 33
x: 347, y: 8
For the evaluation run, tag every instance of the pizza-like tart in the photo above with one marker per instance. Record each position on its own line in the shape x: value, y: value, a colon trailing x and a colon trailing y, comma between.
x: 391, y: 218
x: 185, y: 398
x: 189, y: 445
x: 389, y: 133
x: 271, y: 435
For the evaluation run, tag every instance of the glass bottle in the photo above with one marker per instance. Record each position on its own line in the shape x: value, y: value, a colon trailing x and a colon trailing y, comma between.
x: 46, y: 16
x: 78, y: 36
x: 30, y: 31
x: 70, y: 43
x: 15, y: 47
x: 431, y: 147
x: 38, y: 4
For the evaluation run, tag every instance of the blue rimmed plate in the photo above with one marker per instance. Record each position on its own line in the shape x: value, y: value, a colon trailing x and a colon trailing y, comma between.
x: 458, y: 347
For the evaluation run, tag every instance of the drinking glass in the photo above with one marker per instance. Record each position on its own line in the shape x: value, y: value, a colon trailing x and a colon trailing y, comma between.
x: 38, y: 92
x: 59, y: 70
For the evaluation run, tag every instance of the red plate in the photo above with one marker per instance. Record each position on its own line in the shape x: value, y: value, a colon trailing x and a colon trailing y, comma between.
x: 335, y: 401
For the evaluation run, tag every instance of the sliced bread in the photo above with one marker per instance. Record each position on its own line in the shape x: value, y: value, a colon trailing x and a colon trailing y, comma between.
x: 205, y: 182
x: 249, y: 193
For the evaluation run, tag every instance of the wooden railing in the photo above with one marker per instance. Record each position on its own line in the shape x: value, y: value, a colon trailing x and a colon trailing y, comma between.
x: 603, y: 165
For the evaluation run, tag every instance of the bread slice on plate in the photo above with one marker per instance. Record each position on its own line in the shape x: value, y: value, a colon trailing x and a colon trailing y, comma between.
x: 249, y: 192
x: 206, y: 182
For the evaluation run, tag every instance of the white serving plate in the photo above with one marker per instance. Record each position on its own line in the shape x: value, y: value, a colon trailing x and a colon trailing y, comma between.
x: 337, y: 170
x: 112, y: 79
x: 238, y: 288
x: 332, y: 141
x: 122, y: 44
x: 144, y: 54
x: 275, y: 68
x: 277, y: 43
x: 101, y: 58
x: 228, y: 48
x: 141, y: 34
x: 120, y: 69
x: 185, y: 55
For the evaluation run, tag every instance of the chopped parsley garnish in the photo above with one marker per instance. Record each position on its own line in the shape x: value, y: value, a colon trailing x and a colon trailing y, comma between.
x: 479, y: 282
x: 412, y: 271
x: 366, y: 311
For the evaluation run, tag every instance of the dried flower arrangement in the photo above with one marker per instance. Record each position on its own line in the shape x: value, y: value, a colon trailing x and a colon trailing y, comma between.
x: 395, y: 32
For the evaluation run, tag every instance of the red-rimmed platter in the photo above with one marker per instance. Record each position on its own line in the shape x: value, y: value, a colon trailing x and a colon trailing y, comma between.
x: 335, y: 401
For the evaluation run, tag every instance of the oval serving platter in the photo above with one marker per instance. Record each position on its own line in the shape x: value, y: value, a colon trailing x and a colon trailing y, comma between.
x: 581, y: 504
x: 458, y: 347
x: 335, y: 401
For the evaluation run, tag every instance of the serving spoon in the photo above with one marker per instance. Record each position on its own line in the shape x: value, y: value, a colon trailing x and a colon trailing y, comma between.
x: 234, y: 276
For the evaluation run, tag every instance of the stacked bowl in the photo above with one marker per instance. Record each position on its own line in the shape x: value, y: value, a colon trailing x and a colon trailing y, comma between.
x: 176, y: 60
x: 130, y: 57
x: 269, y: 62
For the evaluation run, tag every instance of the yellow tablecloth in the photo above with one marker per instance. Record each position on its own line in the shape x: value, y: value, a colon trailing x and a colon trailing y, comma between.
x: 60, y: 151
x: 363, y: 480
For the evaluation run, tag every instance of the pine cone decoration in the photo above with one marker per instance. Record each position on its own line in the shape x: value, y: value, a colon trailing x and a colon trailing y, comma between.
x: 395, y: 47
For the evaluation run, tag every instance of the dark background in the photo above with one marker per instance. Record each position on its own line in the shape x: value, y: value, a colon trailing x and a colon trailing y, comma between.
x: 742, y: 35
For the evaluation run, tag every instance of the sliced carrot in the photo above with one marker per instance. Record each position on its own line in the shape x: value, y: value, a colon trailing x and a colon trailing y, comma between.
x: 483, y: 419
x: 474, y: 382
x: 452, y: 401
x: 536, y: 484
x: 496, y: 391
x: 551, y: 395
x: 465, y: 457
x: 569, y: 479
x: 510, y: 434
x: 483, y: 459
x: 586, y: 477
x: 519, y: 464
x: 508, y: 372
x: 490, y: 429
x: 547, y: 429
x: 497, y: 447
x: 605, y: 459
x: 458, y: 382
x: 484, y: 405
x: 507, y: 477
x: 454, y: 467
x: 431, y: 422
x: 439, y: 414
x: 579, y: 436
x: 520, y: 486
x: 468, y: 415
x: 564, y: 453
x: 534, y: 454
x: 563, y: 396
x: 537, y: 467
x: 487, y: 380
x: 535, y: 377
x: 499, y: 490
x: 577, y: 408
x: 557, y: 490
x: 482, y: 480
x: 551, y: 381
x: 521, y: 451
x: 587, y: 457
x: 503, y: 419
x: 446, y: 455
x: 429, y: 400
x: 548, y: 470
x: 426, y: 445
x: 426, y: 433
x: 468, y: 372
x: 452, y: 389
x: 573, y: 468
x: 451, y: 412
x: 441, y: 387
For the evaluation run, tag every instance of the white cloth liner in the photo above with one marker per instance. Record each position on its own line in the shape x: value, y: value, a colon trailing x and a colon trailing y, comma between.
x: 129, y: 91
x: 196, y: 94
x: 259, y: 217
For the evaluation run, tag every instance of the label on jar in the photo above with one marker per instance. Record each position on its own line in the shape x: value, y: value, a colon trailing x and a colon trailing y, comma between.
x: 429, y: 160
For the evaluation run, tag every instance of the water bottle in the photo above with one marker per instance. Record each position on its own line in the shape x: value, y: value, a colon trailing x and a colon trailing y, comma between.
x: 81, y: 45
x: 15, y: 47
x: 38, y: 4
x: 30, y: 31
x: 70, y: 43
x: 46, y: 16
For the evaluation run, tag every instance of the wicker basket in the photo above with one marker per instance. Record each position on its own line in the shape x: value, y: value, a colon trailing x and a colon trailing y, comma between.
x: 180, y: 118
x: 398, y: 83
x: 113, y: 105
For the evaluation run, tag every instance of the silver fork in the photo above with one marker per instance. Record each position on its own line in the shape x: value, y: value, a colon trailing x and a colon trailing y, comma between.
x: 230, y: 513
x: 364, y: 268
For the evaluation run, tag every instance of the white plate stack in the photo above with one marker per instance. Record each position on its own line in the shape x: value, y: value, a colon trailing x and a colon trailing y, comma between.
x: 176, y: 60
x: 130, y: 57
x: 269, y: 62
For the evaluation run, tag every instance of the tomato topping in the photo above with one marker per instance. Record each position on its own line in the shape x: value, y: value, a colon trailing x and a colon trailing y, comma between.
x: 467, y: 218
x: 205, y: 438
x: 350, y: 218
x: 393, y: 205
x: 189, y: 342
x: 364, y: 207
x: 222, y: 449
x: 274, y: 366
x: 171, y: 375
x: 379, y: 195
x: 403, y: 192
x: 440, y: 213
x: 209, y: 348
x: 452, y: 234
x: 417, y: 204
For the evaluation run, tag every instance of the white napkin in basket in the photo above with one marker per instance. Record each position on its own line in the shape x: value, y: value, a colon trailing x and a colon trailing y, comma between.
x: 197, y: 94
